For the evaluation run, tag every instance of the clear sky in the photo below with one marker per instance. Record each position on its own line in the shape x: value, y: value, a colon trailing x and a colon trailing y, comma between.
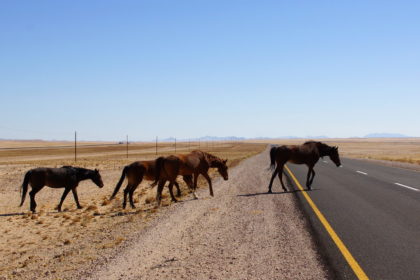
x: 193, y: 68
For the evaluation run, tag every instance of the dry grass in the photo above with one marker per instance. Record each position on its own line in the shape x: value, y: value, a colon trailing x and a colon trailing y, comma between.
x: 50, y: 244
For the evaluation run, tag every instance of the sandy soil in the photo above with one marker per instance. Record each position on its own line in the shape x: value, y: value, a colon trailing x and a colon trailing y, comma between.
x: 241, y: 233
x: 52, y: 245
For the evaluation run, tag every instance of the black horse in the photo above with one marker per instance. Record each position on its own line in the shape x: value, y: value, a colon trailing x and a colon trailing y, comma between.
x: 67, y: 177
x: 307, y: 153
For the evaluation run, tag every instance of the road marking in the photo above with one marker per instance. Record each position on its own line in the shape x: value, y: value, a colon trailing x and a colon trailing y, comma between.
x: 364, y: 173
x: 407, y: 187
x: 343, y: 249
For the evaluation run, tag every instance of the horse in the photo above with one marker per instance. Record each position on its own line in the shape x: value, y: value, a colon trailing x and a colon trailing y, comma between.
x: 307, y: 153
x: 195, y: 163
x: 67, y: 177
x: 135, y: 173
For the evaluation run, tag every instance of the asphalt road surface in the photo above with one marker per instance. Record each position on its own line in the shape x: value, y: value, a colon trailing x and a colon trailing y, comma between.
x: 375, y: 211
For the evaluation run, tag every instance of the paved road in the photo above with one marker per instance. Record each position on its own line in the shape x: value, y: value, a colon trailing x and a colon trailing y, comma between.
x: 374, y: 209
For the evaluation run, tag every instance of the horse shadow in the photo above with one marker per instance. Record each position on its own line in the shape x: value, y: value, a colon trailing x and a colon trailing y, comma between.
x: 267, y: 193
x: 12, y: 214
x: 291, y: 189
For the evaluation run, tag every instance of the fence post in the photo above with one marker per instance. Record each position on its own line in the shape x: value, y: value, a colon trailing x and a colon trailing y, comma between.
x: 75, y: 146
x: 156, y: 145
x: 127, y: 146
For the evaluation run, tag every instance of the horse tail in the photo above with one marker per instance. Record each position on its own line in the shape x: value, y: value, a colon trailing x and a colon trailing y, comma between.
x: 24, y: 187
x: 158, y: 169
x: 273, y: 153
x: 118, y: 186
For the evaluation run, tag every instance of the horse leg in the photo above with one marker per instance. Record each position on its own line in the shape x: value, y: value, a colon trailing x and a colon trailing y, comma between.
x: 32, y: 194
x: 281, y: 177
x: 308, y: 177
x: 313, y: 176
x: 272, y: 179
x: 159, y: 192
x: 76, y: 198
x: 178, y: 190
x: 133, y: 187
x: 195, y: 185
x: 130, y: 195
x: 209, y: 181
x: 171, y: 185
x: 126, y: 190
x: 188, y: 180
x: 66, y: 191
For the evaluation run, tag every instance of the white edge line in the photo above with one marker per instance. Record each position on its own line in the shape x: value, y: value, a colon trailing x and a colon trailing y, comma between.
x: 407, y: 187
x: 364, y: 173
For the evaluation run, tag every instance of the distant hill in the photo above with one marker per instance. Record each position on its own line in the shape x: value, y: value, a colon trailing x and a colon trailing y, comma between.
x: 386, y: 135
x: 205, y: 138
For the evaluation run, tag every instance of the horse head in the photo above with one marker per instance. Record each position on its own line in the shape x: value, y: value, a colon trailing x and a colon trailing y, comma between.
x: 222, y: 168
x: 334, y: 156
x: 96, y: 178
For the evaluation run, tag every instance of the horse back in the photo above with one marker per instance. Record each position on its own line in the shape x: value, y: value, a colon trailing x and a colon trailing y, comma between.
x: 297, y: 154
x: 52, y: 177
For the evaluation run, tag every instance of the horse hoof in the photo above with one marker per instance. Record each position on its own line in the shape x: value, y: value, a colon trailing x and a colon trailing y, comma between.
x: 79, y: 207
x: 174, y: 200
x: 269, y: 191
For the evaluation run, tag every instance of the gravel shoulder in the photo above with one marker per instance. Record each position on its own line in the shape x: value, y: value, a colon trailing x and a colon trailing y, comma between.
x: 241, y: 233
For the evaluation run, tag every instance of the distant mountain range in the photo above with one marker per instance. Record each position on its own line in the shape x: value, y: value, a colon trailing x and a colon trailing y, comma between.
x: 386, y: 135
x: 205, y: 138
x: 235, y: 138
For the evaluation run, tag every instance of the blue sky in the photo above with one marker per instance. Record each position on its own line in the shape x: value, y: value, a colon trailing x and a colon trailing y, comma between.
x: 193, y: 68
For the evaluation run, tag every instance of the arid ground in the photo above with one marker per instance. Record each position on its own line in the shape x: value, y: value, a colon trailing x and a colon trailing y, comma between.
x: 56, y: 245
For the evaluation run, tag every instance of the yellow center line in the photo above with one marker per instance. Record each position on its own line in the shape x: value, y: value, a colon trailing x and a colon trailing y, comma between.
x: 343, y: 249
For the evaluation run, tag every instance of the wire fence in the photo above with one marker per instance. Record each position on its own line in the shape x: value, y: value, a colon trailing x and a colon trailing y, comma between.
x: 81, y: 149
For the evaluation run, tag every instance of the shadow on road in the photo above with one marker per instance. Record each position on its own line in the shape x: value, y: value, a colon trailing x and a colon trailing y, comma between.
x: 267, y: 193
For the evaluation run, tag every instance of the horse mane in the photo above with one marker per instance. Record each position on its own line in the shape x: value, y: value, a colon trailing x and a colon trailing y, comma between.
x: 212, y: 159
x: 80, y: 171
x: 322, y: 147
x: 77, y: 169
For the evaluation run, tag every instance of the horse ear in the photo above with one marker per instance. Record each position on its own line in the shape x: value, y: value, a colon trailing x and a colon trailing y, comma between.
x: 225, y: 161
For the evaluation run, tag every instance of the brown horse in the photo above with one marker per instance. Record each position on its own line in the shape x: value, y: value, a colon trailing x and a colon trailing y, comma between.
x: 308, y: 153
x: 195, y: 163
x: 135, y: 173
x: 67, y: 177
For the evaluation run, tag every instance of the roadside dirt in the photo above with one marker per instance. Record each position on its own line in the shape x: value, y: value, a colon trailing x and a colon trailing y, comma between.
x: 241, y: 233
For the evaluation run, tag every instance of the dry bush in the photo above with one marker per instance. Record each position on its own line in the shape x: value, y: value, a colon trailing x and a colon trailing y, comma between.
x: 91, y: 208
x: 105, y: 202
